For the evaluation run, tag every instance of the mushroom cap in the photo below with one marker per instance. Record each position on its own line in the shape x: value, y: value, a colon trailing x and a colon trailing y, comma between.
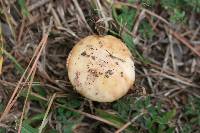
x: 101, y: 68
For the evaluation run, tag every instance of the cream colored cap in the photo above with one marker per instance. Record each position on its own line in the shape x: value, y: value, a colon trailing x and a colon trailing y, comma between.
x: 101, y: 68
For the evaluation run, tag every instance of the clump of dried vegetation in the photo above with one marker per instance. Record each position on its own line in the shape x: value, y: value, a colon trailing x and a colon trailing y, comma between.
x: 36, y: 37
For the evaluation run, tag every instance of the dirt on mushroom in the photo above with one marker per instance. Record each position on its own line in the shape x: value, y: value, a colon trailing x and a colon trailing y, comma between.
x: 99, y: 73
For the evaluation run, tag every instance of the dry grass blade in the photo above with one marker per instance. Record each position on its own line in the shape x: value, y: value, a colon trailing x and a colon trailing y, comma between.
x: 102, y: 12
x: 25, y: 102
x: 175, y: 34
x: 176, y: 79
x: 128, y: 123
x: 21, y: 31
x: 37, y: 4
x: 46, y: 113
x: 184, y: 41
x: 77, y: 111
x: 81, y: 14
x: 68, y: 30
x: 9, y: 19
x: 149, y: 80
x: 93, y: 117
x: 168, y: 72
x: 17, y: 89
x: 137, y: 23
x: 1, y: 50
x: 145, y: 10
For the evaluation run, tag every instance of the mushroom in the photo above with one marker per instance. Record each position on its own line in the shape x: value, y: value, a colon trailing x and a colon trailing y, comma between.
x: 101, y: 68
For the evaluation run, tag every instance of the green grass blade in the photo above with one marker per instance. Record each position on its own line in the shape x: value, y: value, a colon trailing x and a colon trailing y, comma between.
x: 23, y: 7
x: 26, y: 128
x: 115, y: 120
x: 17, y: 65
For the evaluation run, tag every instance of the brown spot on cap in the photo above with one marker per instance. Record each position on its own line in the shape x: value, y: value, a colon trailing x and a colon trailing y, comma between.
x: 122, y: 74
x: 93, y: 57
x: 110, y: 72
x: 83, y: 53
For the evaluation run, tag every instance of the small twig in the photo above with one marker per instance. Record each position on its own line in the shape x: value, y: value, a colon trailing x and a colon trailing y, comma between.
x: 38, y: 4
x: 167, y: 71
x: 128, y: 123
x: 81, y: 14
x: 195, y: 34
x: 68, y: 30
x: 171, y: 91
x: 46, y: 113
x: 102, y: 15
x: 164, y: 65
x: 21, y: 31
x: 184, y: 41
x: 149, y: 80
x: 6, y: 83
x: 183, y: 88
x: 4, y: 125
x: 135, y: 28
x: 114, y: 57
x: 26, y: 100
x: 9, y: 19
x: 56, y: 18
x: 1, y: 49
x: 171, y: 45
x: 176, y: 79
x: 152, y: 23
